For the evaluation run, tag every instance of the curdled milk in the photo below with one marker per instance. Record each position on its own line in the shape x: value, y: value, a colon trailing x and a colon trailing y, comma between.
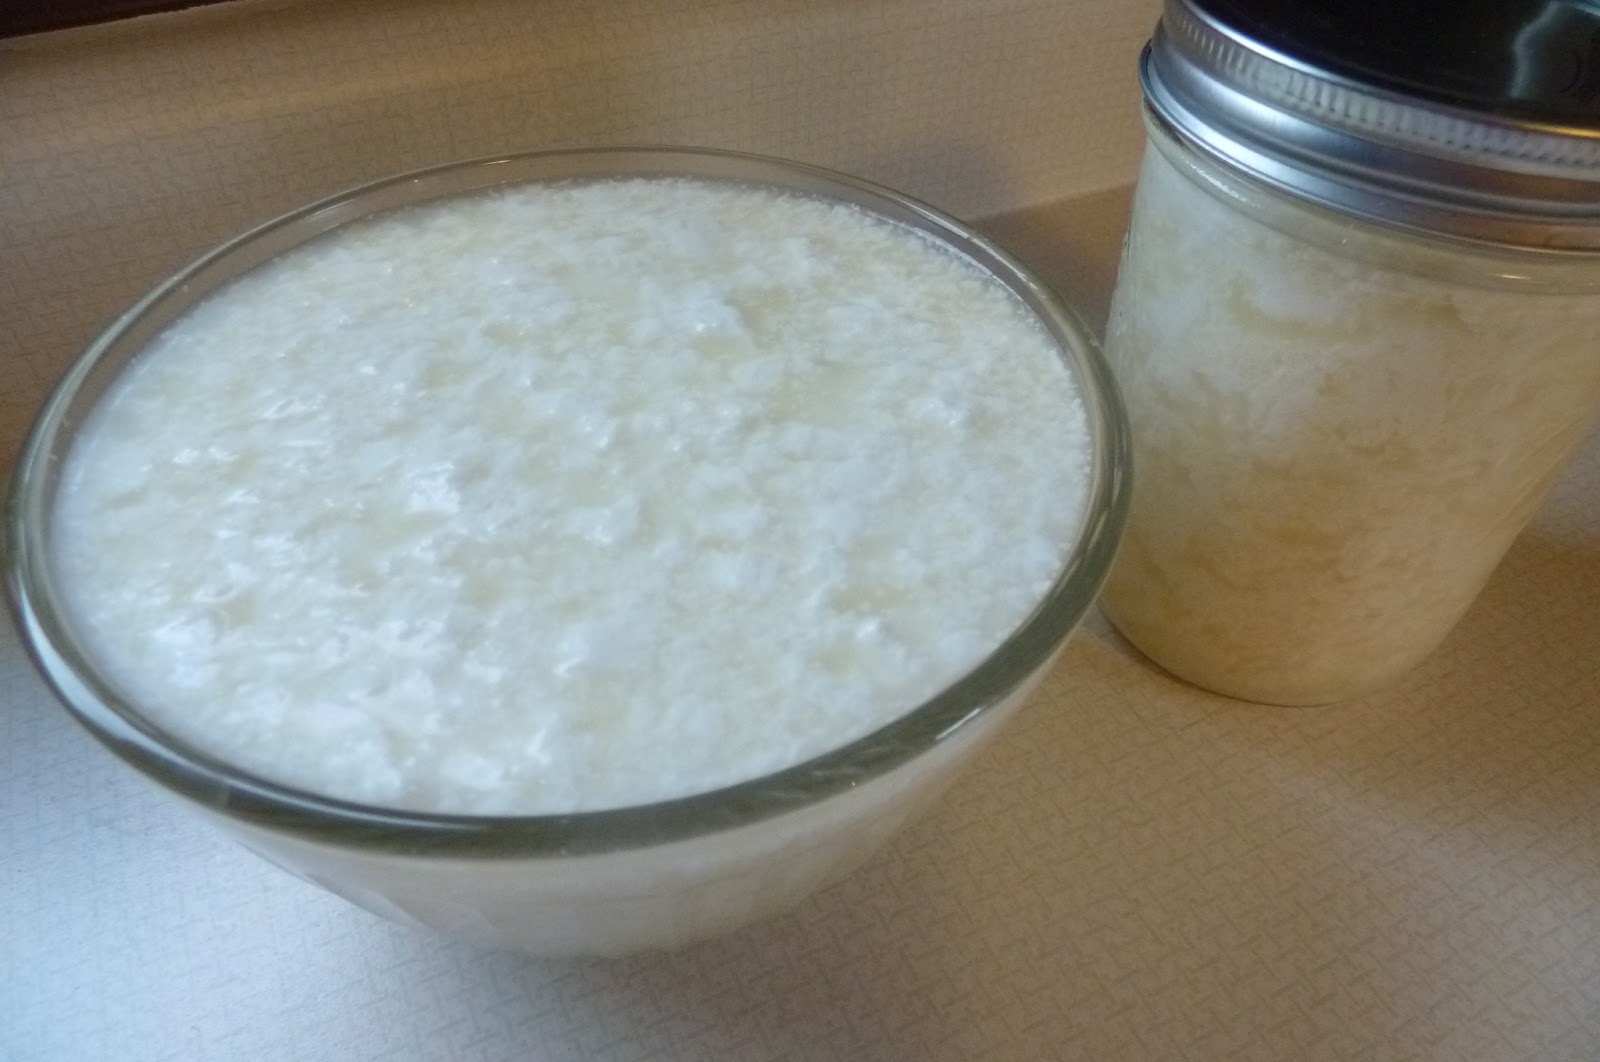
x: 569, y: 497
x: 1338, y: 431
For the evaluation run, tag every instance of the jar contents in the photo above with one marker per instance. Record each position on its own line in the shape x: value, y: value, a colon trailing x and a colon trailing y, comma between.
x: 1338, y: 430
x: 568, y: 497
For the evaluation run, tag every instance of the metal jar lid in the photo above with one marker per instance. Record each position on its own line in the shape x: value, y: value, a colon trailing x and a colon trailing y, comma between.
x: 1477, y: 119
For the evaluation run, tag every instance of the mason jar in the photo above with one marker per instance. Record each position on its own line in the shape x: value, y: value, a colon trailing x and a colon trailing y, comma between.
x: 1357, y: 327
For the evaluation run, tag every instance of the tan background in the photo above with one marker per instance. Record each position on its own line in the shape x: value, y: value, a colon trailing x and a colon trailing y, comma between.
x: 1138, y: 871
x: 126, y: 151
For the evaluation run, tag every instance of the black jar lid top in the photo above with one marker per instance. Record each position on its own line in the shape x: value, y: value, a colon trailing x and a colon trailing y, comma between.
x: 1476, y: 119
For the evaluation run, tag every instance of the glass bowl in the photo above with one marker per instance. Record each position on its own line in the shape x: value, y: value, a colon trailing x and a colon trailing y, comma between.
x: 600, y: 882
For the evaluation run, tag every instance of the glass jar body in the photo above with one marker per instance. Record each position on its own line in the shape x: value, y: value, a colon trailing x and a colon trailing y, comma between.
x: 1339, y: 428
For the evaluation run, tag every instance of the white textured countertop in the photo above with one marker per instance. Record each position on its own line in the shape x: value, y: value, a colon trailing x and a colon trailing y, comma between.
x: 1137, y: 870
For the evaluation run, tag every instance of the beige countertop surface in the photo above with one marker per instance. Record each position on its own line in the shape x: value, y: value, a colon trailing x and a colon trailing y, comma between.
x: 1136, y: 870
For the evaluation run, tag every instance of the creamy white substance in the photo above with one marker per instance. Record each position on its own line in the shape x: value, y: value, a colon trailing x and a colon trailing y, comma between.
x: 572, y: 497
x: 1332, y: 448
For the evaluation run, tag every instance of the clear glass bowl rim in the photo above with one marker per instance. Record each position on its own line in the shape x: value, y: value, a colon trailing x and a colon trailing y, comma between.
x: 215, y: 784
